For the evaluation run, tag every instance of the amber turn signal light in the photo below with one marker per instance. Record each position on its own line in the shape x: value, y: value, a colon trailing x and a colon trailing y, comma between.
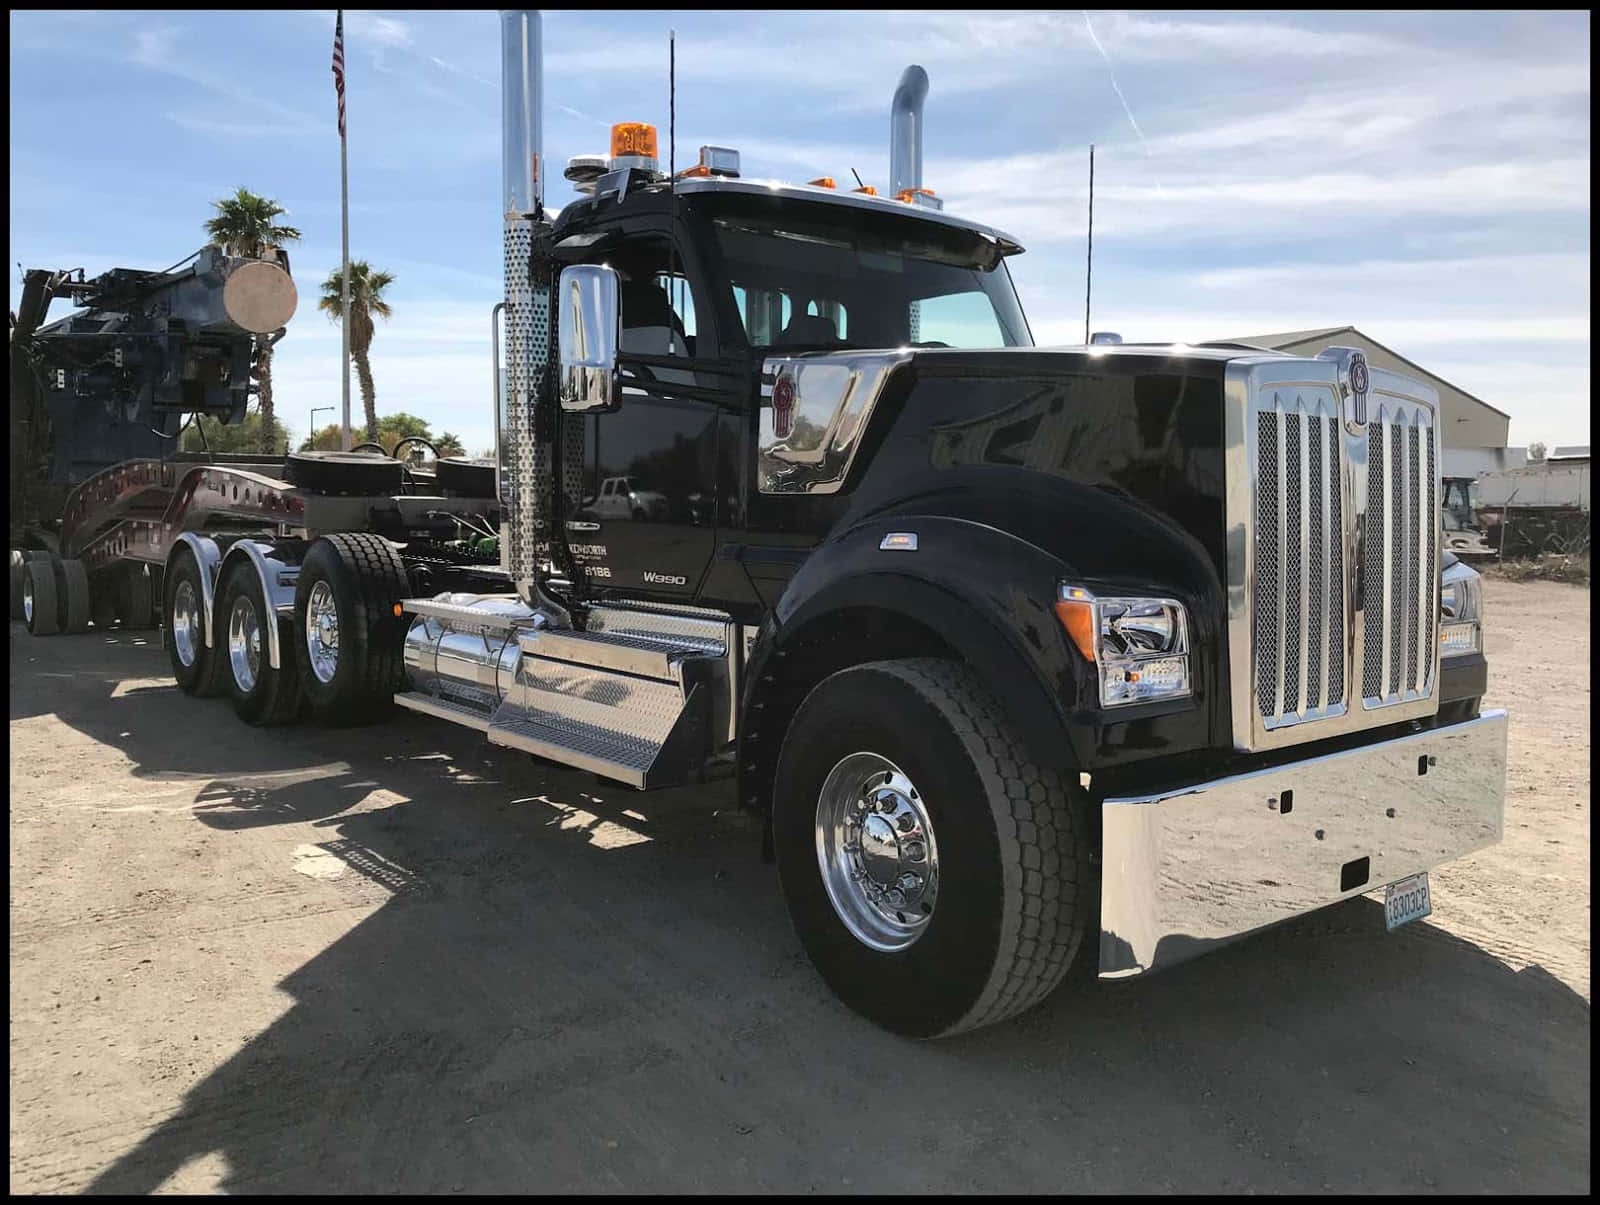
x: 1078, y: 618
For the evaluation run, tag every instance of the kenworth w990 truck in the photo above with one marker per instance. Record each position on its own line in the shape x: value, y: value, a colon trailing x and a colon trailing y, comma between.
x: 1031, y: 658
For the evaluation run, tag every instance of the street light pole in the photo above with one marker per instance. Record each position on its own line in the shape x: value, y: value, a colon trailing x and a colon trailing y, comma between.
x: 311, y: 435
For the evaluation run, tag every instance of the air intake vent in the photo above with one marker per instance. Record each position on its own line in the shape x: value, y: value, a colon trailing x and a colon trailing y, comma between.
x: 1299, y: 601
x: 1400, y: 569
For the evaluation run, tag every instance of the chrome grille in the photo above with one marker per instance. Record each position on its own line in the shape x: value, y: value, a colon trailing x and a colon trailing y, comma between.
x: 1332, y: 548
x: 1400, y: 585
x: 1299, y: 579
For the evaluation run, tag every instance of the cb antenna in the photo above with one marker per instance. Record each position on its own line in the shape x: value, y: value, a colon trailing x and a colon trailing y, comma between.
x: 672, y: 174
x: 672, y: 109
x: 857, y: 175
x: 1088, y: 273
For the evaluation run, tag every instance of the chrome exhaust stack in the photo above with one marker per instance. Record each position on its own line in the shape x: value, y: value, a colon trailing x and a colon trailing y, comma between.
x: 522, y: 112
x: 905, y: 131
x: 526, y: 481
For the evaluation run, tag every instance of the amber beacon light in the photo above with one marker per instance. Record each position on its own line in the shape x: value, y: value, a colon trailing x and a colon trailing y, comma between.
x: 636, y: 138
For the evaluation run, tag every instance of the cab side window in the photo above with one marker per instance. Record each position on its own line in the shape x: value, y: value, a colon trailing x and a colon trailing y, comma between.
x: 657, y: 307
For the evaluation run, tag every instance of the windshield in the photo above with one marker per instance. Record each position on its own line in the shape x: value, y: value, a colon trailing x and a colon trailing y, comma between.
x: 799, y: 285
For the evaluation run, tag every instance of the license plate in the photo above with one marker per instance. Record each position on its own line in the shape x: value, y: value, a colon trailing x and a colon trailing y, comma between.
x: 1406, y: 901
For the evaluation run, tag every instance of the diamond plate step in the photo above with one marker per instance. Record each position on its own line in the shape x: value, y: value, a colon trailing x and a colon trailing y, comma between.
x: 606, y: 753
x: 602, y: 650
x: 443, y: 710
x: 682, y: 627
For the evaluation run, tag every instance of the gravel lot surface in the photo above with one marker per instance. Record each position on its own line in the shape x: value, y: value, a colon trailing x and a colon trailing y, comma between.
x: 391, y: 959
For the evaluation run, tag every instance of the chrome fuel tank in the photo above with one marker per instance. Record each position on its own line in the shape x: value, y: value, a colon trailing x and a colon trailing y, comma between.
x: 469, y: 662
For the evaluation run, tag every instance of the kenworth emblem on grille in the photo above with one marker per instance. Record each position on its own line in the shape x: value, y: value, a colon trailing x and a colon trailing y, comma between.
x: 1355, y: 382
x: 1356, y: 411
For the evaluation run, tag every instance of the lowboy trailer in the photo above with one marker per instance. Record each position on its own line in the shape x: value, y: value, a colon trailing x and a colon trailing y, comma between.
x: 1032, y: 659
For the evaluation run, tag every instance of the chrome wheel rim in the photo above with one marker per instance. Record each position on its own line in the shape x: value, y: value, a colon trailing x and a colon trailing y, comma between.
x: 186, y: 622
x: 27, y: 598
x: 244, y: 643
x: 322, y: 632
x: 876, y: 851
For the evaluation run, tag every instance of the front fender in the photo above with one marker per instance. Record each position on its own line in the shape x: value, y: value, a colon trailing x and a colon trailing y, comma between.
x: 987, y: 594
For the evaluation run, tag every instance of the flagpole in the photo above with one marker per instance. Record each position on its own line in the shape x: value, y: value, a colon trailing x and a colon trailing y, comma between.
x: 344, y: 295
x: 344, y: 243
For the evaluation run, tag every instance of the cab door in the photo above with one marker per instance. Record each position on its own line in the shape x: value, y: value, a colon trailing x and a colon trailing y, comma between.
x: 647, y: 524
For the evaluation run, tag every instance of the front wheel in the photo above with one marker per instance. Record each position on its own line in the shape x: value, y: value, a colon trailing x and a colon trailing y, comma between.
x: 937, y: 878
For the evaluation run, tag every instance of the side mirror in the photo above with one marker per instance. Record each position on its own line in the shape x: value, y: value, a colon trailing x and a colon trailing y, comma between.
x: 589, y: 324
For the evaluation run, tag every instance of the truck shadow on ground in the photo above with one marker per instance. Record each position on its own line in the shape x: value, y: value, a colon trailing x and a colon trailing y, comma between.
x: 576, y: 987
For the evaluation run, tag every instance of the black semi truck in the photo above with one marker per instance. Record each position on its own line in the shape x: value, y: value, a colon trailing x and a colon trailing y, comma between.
x: 1032, y: 659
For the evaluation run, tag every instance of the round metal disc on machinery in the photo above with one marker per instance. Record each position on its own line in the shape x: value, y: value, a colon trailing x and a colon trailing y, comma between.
x: 346, y: 473
x: 260, y: 297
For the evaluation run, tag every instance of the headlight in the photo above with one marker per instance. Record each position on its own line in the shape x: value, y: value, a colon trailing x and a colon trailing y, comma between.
x: 1139, y: 646
x: 1460, y: 611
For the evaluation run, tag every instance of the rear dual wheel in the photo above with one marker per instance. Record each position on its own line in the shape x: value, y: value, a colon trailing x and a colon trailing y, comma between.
x: 198, y: 667
x: 261, y: 694
x: 350, y: 633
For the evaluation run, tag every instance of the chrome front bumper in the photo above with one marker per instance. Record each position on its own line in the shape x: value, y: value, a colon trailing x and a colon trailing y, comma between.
x: 1186, y: 870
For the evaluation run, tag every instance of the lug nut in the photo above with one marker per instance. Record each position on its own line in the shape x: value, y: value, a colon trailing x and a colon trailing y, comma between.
x: 915, y: 851
x: 910, y: 881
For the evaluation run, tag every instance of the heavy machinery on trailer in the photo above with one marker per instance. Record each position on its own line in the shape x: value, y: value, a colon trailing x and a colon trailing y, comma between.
x: 1031, y: 658
x: 144, y: 354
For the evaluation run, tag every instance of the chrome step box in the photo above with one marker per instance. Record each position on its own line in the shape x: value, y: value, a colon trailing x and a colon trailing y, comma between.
x: 643, y: 696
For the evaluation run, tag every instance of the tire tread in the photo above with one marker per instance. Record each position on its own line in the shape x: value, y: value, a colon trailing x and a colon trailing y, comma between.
x: 1042, y: 837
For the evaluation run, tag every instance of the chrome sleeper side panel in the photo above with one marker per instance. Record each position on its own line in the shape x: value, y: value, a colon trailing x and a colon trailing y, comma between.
x: 1190, y: 869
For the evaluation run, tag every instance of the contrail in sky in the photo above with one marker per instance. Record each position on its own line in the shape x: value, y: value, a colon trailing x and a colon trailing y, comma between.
x: 1115, y: 87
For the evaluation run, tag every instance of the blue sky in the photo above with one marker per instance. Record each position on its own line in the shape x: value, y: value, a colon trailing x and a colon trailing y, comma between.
x: 1424, y: 176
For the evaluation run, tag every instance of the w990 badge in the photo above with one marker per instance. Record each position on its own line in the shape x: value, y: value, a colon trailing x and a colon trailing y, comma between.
x: 1406, y: 901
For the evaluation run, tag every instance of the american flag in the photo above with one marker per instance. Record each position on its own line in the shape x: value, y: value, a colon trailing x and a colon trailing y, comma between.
x: 338, y: 67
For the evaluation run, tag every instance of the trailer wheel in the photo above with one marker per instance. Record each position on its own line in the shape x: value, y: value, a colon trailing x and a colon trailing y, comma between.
x: 349, y: 639
x: 261, y: 695
x: 41, y: 601
x: 19, y: 564
x: 135, y: 595
x: 76, y: 580
x: 198, y: 669
x: 937, y: 879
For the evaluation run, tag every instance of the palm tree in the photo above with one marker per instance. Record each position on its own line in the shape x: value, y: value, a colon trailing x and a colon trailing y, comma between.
x: 366, y: 299
x: 245, y: 226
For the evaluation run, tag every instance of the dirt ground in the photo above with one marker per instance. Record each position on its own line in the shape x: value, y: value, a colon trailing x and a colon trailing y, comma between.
x: 390, y: 960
